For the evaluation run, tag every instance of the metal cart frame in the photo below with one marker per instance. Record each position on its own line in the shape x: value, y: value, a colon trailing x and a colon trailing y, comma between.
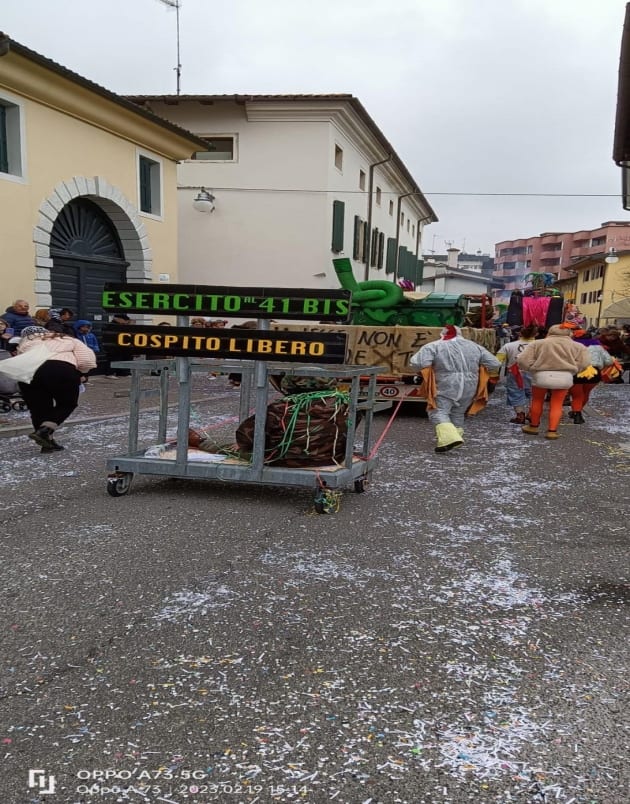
x: 355, y: 469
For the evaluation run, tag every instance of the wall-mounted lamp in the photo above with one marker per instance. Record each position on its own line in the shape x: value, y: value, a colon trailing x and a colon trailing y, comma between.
x: 204, y: 202
x: 612, y: 257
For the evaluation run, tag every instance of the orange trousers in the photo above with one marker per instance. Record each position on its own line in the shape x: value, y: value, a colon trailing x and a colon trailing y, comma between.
x: 555, y: 406
x: 580, y: 394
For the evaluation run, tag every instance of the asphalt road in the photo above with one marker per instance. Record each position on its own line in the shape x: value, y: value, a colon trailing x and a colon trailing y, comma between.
x: 458, y: 633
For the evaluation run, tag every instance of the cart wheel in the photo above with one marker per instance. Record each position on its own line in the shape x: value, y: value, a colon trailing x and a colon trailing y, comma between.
x: 21, y: 405
x: 5, y: 406
x: 119, y: 484
x: 361, y: 485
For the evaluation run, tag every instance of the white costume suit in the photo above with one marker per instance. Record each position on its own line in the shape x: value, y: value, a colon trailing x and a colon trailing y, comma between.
x: 456, y: 364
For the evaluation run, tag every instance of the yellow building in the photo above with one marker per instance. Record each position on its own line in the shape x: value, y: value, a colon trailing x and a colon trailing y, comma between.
x: 88, y: 187
x: 598, y: 282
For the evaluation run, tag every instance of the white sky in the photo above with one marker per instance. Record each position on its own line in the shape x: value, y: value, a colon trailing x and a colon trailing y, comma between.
x: 476, y: 96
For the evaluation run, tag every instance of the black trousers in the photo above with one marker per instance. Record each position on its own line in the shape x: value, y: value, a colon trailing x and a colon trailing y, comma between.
x: 53, y: 393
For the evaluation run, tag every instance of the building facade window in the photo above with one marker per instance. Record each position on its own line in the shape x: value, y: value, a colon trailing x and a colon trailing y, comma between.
x: 338, y: 213
x: 357, y: 238
x: 11, y: 139
x: 338, y: 157
x: 149, y: 185
x: 361, y: 180
x: 390, y: 256
x: 378, y: 196
x: 391, y: 208
x: 221, y: 148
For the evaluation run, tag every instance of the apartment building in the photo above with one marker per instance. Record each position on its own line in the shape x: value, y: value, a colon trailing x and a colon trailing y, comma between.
x: 554, y: 252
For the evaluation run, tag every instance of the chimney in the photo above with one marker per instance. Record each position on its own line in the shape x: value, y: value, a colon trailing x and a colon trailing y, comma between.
x: 451, y: 259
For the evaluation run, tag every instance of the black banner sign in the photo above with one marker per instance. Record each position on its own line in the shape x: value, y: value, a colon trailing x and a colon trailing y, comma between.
x: 264, y: 303
x: 284, y: 347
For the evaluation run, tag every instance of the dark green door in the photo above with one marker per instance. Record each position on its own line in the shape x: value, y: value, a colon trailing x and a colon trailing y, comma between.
x: 86, y: 253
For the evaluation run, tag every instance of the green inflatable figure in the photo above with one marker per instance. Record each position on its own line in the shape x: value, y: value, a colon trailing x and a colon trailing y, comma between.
x: 378, y: 302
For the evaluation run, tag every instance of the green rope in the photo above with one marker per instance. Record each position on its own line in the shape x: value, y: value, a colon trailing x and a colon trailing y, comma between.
x: 301, y: 403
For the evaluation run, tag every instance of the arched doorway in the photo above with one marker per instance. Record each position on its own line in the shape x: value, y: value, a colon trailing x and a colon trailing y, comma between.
x: 86, y: 252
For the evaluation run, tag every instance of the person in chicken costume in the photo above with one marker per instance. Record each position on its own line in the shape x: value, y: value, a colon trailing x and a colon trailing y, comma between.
x: 455, y: 372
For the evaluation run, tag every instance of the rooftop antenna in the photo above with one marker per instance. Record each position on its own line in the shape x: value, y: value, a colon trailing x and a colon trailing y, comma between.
x: 176, y: 4
x: 433, y: 245
x: 449, y: 243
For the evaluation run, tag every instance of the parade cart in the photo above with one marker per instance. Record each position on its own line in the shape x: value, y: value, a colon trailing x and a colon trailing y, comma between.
x: 300, y: 355
x: 354, y: 470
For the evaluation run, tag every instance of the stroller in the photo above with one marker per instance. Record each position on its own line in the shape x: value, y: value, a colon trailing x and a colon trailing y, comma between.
x: 10, y: 398
x: 11, y: 402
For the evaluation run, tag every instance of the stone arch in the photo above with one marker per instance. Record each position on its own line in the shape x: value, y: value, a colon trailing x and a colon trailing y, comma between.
x: 121, y: 212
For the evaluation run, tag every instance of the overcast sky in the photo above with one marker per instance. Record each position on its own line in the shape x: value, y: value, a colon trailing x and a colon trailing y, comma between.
x: 476, y: 96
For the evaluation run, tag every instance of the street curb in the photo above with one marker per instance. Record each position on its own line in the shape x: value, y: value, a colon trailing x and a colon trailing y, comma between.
x: 12, y: 432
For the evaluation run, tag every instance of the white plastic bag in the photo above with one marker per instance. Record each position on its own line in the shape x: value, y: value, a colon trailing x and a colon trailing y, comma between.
x: 22, y: 368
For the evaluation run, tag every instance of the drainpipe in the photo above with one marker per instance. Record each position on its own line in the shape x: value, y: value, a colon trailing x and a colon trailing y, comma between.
x: 368, y: 239
x: 419, y: 223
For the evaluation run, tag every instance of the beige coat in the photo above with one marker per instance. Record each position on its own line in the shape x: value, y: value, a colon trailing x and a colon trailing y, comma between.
x: 69, y: 350
x: 557, y: 352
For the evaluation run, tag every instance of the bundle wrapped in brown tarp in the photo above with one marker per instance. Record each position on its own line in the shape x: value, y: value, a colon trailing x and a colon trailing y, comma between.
x: 301, y: 430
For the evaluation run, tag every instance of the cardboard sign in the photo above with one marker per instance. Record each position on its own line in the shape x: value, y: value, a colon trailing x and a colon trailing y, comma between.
x: 285, y: 347
x: 390, y: 347
x: 264, y: 303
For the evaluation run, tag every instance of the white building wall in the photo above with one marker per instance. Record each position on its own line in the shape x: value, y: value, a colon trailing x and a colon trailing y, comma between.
x: 272, y: 222
x: 449, y: 284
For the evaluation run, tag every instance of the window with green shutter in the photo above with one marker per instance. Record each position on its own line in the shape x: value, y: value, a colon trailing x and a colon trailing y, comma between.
x: 356, y: 239
x: 406, y: 264
x: 11, y: 144
x: 337, y: 226
x: 4, y: 141
x: 374, y: 248
x: 149, y: 186
x: 390, y: 259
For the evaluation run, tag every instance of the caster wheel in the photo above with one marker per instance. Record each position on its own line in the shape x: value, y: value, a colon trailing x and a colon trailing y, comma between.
x: 118, y: 485
x: 362, y: 483
x: 5, y: 407
x: 20, y: 406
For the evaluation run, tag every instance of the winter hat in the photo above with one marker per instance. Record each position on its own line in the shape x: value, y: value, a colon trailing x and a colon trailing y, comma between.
x: 29, y: 332
x: 55, y: 313
x: 82, y: 322
x: 450, y: 331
